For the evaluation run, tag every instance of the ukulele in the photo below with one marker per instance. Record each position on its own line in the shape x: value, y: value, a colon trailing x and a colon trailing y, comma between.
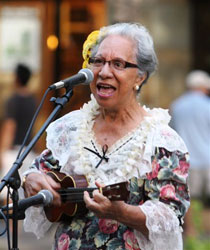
x: 71, y: 192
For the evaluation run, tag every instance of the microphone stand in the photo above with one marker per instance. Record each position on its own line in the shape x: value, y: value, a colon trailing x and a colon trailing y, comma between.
x: 12, y: 178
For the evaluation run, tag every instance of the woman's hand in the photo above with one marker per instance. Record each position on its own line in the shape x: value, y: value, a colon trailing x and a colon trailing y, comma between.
x: 102, y: 206
x: 37, y: 181
x: 127, y: 214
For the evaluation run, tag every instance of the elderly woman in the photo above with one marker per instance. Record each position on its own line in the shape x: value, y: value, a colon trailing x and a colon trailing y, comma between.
x: 114, y: 139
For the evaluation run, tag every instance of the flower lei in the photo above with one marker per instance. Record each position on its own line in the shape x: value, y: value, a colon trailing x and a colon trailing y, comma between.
x: 88, y: 45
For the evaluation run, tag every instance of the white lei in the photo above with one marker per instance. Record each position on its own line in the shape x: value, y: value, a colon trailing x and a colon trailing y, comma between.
x: 130, y: 156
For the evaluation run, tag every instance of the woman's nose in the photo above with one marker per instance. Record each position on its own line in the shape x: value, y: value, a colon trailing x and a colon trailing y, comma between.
x: 106, y: 70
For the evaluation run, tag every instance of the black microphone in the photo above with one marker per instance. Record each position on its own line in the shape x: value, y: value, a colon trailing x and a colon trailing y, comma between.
x: 84, y: 76
x: 44, y: 197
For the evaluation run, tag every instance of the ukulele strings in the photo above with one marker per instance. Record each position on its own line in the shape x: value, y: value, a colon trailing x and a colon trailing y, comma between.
x: 72, y: 190
x: 76, y: 194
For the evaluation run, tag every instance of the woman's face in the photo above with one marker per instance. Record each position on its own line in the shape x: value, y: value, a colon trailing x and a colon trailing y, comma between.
x: 114, y: 88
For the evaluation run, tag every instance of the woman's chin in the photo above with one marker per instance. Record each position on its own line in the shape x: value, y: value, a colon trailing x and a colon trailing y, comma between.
x: 107, y: 103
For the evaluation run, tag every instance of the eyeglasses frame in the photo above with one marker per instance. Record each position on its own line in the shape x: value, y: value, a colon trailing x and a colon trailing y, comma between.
x: 127, y: 64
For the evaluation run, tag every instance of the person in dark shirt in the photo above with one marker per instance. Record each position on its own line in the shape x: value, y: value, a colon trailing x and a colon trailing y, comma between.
x: 18, y: 113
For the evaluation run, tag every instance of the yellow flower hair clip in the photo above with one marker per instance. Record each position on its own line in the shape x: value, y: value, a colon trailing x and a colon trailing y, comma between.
x: 87, y: 46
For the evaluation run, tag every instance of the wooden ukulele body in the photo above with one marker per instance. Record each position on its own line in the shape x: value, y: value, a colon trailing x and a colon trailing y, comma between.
x: 67, y: 208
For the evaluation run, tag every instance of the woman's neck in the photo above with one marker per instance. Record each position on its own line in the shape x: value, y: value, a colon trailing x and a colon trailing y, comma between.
x: 112, y: 125
x: 123, y: 115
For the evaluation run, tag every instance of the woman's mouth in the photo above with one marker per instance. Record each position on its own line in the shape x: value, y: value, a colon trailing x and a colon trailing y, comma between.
x: 105, y: 90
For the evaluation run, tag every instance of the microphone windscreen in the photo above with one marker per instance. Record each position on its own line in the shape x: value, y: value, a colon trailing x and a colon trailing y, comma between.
x: 48, y: 197
x: 88, y: 75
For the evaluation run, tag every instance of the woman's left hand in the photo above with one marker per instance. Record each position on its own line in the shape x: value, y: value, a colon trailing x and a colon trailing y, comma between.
x: 120, y: 211
x: 101, y: 206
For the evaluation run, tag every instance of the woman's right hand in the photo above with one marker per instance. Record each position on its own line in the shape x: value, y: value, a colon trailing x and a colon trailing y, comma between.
x: 35, y: 182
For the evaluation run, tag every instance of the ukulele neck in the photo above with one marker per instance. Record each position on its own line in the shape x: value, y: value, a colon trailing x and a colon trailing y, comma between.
x: 74, y: 194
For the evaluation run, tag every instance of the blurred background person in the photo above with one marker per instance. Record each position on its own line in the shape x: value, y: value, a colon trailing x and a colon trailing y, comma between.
x: 18, y: 113
x: 191, y: 119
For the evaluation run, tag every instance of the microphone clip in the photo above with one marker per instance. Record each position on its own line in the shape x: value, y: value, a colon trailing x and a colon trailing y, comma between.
x: 61, y: 101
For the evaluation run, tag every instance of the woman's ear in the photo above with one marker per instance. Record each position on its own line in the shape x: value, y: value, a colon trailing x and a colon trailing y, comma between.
x: 141, y: 79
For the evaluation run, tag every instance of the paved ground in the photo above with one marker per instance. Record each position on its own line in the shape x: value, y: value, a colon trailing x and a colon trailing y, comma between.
x: 27, y: 241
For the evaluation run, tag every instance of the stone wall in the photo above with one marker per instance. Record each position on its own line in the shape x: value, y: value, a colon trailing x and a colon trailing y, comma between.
x: 169, y: 24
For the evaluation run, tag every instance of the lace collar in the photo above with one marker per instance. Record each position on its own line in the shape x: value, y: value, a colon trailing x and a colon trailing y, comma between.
x: 133, y: 159
x: 156, y: 116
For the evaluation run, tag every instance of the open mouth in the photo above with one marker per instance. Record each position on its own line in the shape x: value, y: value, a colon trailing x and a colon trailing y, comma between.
x: 105, y: 90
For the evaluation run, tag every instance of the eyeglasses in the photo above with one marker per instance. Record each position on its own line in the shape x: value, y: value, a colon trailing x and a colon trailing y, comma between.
x: 116, y: 63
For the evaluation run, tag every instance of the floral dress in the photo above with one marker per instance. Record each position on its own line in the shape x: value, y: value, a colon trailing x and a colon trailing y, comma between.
x: 152, y: 158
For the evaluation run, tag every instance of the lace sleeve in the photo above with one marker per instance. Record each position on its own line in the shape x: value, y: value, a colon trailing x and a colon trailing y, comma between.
x: 167, y: 182
x: 167, y: 200
x: 35, y: 220
x: 163, y: 226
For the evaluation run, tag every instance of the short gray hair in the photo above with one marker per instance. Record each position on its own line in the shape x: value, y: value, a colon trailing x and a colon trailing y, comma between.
x: 145, y: 54
x: 198, y: 78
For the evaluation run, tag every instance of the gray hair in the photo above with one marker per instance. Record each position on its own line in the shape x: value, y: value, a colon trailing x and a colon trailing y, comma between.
x: 198, y: 78
x: 145, y: 54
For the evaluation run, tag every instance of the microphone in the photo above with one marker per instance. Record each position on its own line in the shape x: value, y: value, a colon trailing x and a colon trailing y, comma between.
x: 44, y: 197
x: 84, y: 76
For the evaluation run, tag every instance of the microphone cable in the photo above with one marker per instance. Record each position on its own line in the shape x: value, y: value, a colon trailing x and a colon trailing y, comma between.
x: 5, y: 217
x: 5, y: 220
x: 32, y: 123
